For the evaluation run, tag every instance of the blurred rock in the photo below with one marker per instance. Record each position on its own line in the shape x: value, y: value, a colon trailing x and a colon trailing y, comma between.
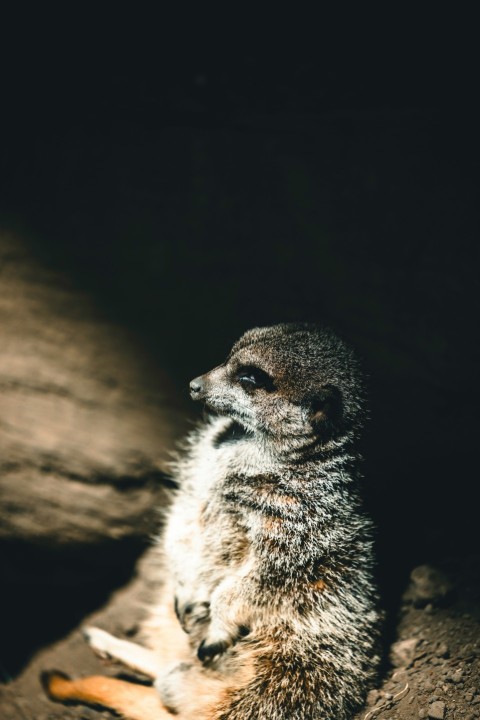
x: 403, y: 651
x: 442, y: 650
x: 428, y: 585
x: 456, y: 677
x: 436, y: 711
x: 87, y: 425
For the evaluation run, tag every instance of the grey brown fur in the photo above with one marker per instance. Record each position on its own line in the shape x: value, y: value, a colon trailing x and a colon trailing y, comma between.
x: 280, y: 549
x: 267, y: 554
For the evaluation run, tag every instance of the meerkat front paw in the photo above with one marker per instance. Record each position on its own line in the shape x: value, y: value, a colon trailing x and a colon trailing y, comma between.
x: 211, y: 646
x: 191, y: 614
x: 208, y: 650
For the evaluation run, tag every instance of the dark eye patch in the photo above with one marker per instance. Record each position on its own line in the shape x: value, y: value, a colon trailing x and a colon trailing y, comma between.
x: 254, y: 378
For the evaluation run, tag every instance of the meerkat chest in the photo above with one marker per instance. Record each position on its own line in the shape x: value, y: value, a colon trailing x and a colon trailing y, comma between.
x: 219, y: 454
x: 200, y: 477
x: 222, y: 529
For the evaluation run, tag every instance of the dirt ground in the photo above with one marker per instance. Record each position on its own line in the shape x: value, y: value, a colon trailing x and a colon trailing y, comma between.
x: 432, y: 670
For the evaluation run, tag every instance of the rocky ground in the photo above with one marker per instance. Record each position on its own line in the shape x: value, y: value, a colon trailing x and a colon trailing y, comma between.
x: 432, y: 671
x: 23, y: 699
x: 435, y: 660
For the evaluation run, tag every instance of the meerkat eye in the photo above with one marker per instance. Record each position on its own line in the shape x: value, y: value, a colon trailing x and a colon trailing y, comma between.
x: 252, y: 378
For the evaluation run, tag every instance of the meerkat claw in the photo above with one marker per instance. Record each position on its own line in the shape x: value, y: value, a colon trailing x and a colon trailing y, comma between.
x: 207, y: 652
x: 191, y: 614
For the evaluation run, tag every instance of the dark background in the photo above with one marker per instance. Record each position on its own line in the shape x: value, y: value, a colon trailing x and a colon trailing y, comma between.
x: 199, y: 179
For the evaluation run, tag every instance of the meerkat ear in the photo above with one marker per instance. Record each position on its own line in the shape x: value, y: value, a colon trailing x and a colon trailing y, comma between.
x: 326, y: 408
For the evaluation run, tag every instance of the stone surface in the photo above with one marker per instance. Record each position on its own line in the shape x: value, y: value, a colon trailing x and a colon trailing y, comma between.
x: 403, y: 651
x: 442, y: 650
x: 428, y: 585
x: 436, y: 711
x: 87, y: 423
x: 457, y: 676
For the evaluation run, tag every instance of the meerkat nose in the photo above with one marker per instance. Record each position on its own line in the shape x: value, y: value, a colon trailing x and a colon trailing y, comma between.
x: 197, y: 387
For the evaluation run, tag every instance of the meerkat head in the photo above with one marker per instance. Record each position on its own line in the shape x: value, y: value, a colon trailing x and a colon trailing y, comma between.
x: 287, y: 381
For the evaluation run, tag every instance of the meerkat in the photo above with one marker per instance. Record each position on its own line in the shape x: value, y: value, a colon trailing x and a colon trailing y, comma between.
x: 269, y: 607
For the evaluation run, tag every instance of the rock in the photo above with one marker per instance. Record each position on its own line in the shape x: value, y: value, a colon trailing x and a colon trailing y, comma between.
x: 436, y: 711
x: 466, y: 651
x: 402, y: 652
x: 428, y: 585
x: 87, y: 420
x: 457, y: 676
x: 442, y: 650
x: 372, y: 697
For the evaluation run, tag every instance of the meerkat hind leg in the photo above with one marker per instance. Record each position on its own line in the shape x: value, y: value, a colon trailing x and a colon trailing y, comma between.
x: 133, y: 702
x: 133, y: 656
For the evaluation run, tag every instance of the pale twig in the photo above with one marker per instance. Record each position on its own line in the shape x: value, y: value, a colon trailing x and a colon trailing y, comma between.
x: 370, y: 714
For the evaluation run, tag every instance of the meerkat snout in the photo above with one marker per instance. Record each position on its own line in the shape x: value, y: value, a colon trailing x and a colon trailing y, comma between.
x: 201, y: 386
x: 197, y: 388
